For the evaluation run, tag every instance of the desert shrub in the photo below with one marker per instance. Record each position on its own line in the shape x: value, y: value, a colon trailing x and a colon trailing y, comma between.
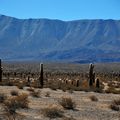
x: 6, y: 83
x: 2, y: 97
x: 53, y: 87
x: 20, y: 101
x: 64, y: 89
x: 115, y: 105
x: 98, y: 90
x: 117, y: 101
x: 47, y: 94
x: 112, y: 90
x: 35, y: 94
x: 10, y: 106
x: 30, y: 89
x: 14, y: 93
x: 93, y: 98
x: 85, y: 84
x: 67, y: 103
x: 52, y: 112
x: 20, y: 86
x: 70, y: 91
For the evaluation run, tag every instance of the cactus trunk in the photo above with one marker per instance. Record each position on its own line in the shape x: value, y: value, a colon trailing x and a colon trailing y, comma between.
x: 97, y: 83
x: 41, y: 75
x: 91, y: 75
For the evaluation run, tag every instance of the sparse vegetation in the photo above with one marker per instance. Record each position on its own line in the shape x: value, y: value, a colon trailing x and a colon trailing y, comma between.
x: 115, y: 105
x: 65, y: 82
x: 11, y: 105
x: 2, y: 97
x: 93, y: 98
x: 67, y: 103
x: 20, y: 101
x: 47, y: 94
x: 14, y: 93
x: 30, y: 89
x: 70, y: 91
x: 20, y: 86
x: 35, y: 94
x: 52, y: 112
x: 113, y: 90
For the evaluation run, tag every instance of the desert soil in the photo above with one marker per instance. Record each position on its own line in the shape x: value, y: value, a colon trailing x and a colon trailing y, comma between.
x: 85, y: 108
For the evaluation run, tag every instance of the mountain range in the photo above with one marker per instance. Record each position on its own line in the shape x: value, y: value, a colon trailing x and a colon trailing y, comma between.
x: 80, y: 41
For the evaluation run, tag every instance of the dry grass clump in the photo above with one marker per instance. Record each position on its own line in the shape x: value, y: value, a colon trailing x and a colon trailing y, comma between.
x: 14, y: 93
x: 115, y: 105
x: 20, y: 86
x: 20, y: 101
x: 2, y: 97
x: 11, y: 104
x: 35, y: 93
x: 85, y: 84
x: 112, y: 90
x: 47, y: 94
x: 93, y: 98
x: 10, y: 107
x: 30, y: 89
x: 6, y: 83
x: 117, y: 102
x: 52, y: 112
x: 70, y: 91
x: 67, y: 103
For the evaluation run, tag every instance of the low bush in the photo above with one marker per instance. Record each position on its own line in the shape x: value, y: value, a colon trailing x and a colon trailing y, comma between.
x: 115, y: 105
x: 67, y: 103
x: 35, y: 94
x: 52, y: 112
x: 112, y: 90
x: 93, y: 98
x: 47, y: 94
x: 2, y: 97
x: 14, y: 93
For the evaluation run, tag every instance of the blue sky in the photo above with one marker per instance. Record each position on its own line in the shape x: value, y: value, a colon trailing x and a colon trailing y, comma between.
x: 61, y: 9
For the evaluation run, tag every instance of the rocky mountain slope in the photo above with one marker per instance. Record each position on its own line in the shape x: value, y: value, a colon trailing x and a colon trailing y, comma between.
x: 56, y: 40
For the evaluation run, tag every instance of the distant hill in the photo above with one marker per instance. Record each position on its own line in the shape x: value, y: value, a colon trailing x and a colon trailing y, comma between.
x: 55, y: 40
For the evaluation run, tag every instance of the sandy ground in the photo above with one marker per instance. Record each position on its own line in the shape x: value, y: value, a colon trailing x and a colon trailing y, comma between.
x: 85, y: 108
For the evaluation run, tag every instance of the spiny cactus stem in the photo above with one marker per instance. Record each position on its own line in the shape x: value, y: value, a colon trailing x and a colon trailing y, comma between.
x: 41, y: 74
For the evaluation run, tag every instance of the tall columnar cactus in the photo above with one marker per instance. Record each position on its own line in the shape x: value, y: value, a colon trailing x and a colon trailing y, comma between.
x: 28, y: 80
x: 97, y: 83
x: 91, y: 75
x: 77, y: 83
x: 0, y: 71
x: 41, y: 75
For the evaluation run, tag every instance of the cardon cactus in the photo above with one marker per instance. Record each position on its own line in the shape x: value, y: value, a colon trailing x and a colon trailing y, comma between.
x: 28, y: 80
x: 0, y: 71
x: 97, y: 83
x: 41, y: 75
x: 91, y: 75
x: 94, y: 77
